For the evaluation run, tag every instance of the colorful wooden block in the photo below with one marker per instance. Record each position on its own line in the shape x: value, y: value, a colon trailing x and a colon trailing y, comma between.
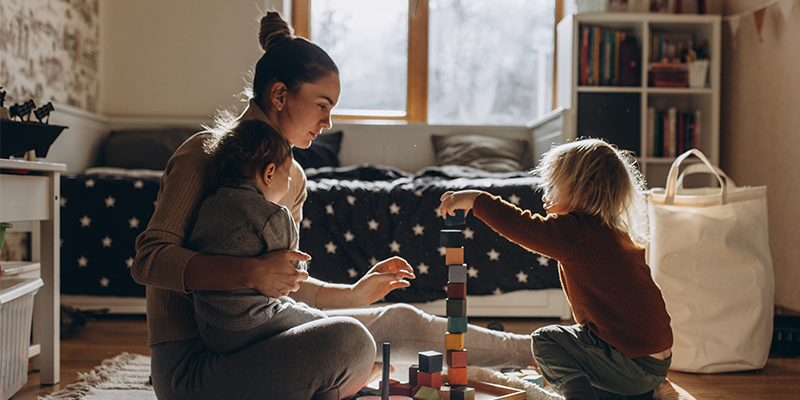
x: 457, y: 273
x: 402, y: 389
x: 462, y: 393
x: 454, y: 255
x: 457, y: 376
x: 456, y: 290
x: 451, y: 238
x: 454, y: 341
x: 426, y: 393
x: 430, y: 361
x: 456, y: 308
x: 457, y: 324
x: 456, y: 358
x: 433, y: 380
x: 460, y: 218
x: 412, y: 374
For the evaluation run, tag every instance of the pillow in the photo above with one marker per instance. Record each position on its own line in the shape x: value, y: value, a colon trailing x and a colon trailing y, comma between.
x: 488, y: 153
x: 323, y: 152
x: 142, y: 148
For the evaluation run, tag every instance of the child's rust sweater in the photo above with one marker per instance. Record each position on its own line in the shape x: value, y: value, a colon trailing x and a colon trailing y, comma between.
x: 604, y: 274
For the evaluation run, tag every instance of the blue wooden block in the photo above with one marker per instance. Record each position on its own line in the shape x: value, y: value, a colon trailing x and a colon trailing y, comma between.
x: 459, y: 219
x: 451, y: 238
x: 457, y: 324
x: 430, y: 361
x: 457, y: 273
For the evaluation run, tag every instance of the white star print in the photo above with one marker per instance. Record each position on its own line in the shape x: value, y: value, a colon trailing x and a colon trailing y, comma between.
x: 522, y: 277
x: 394, y: 246
x: 61, y: 243
x: 373, y: 261
x: 542, y: 260
x: 83, y: 261
x: 468, y: 233
x: 352, y: 272
x: 85, y: 221
x: 329, y: 209
x: 348, y: 237
x: 418, y: 193
x: 493, y: 255
x: 129, y: 262
x: 107, y: 241
x: 472, y: 272
x: 134, y: 223
x: 306, y: 223
x: 514, y: 199
x: 438, y: 213
x: 104, y: 282
x: 89, y: 183
x: 351, y: 200
x: 497, y: 292
x: 442, y: 251
x: 110, y: 201
x: 394, y: 209
x: 373, y: 225
x: 422, y: 268
x: 63, y: 202
x: 138, y: 185
x: 418, y: 230
x: 331, y: 247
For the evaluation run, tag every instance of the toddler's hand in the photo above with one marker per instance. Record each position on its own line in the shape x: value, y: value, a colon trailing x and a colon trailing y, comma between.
x: 461, y: 200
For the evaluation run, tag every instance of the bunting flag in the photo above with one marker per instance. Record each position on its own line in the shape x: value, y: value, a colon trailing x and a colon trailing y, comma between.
x: 735, y: 20
x: 786, y: 8
x: 759, y: 15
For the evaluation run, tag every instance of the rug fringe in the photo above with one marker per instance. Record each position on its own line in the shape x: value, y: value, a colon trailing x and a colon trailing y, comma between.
x: 86, y: 381
x: 532, y: 391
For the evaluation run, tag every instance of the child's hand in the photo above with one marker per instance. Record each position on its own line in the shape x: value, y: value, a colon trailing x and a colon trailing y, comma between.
x: 461, y: 200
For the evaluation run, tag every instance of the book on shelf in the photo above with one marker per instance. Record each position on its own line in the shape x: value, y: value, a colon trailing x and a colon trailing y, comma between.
x: 604, y: 56
x: 671, y: 132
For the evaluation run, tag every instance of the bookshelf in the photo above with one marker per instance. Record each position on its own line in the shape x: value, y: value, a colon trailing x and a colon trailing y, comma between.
x: 631, y: 107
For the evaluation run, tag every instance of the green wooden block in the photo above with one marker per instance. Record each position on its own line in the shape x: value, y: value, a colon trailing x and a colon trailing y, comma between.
x: 457, y: 324
x: 456, y: 308
x: 462, y: 393
x: 451, y: 238
x: 426, y: 393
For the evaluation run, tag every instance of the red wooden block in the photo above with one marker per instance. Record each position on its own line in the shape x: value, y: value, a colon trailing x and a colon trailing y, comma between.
x: 403, y: 389
x: 456, y: 358
x: 457, y: 376
x: 431, y: 380
x: 456, y: 290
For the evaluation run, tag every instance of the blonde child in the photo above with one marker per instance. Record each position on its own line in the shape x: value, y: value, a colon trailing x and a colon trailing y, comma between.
x: 596, y: 228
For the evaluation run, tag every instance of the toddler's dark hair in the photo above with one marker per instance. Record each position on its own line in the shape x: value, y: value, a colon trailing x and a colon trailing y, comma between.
x: 244, y: 151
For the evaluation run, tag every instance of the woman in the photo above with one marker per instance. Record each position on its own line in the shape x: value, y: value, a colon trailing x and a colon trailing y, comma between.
x: 294, y: 88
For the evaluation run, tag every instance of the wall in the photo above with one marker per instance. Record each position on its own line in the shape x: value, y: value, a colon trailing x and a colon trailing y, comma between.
x: 760, y: 128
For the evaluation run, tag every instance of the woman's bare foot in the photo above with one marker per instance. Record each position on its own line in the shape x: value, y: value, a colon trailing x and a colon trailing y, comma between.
x: 377, y: 371
x: 666, y: 392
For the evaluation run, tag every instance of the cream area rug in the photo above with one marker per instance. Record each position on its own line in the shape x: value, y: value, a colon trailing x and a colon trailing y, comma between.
x: 127, y: 377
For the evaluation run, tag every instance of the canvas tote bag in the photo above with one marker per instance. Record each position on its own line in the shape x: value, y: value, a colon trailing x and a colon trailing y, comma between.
x: 709, y: 253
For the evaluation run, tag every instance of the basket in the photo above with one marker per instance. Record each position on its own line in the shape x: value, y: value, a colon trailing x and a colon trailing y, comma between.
x: 16, y: 314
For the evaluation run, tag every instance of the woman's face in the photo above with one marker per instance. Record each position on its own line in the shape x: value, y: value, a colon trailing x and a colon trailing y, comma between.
x: 308, y: 111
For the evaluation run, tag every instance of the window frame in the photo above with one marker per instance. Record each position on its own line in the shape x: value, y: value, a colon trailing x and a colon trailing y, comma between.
x: 417, y: 74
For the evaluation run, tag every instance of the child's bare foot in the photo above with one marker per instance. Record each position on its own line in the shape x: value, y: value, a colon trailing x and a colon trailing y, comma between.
x: 666, y: 392
x: 377, y: 371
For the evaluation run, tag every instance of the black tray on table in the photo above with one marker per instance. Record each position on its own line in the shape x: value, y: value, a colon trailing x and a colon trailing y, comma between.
x: 18, y: 137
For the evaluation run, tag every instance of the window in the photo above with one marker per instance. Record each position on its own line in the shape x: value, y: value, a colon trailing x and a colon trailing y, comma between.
x: 477, y: 62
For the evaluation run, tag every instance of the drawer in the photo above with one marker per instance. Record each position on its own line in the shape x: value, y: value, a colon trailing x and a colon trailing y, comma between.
x: 23, y: 198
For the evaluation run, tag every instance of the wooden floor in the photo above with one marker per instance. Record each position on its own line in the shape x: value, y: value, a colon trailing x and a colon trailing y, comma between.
x: 107, y: 336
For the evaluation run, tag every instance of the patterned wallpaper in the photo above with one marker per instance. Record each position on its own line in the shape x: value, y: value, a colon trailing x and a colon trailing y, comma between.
x: 49, y: 51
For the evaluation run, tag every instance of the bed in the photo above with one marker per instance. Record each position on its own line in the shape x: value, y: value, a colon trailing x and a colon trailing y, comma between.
x: 354, y: 216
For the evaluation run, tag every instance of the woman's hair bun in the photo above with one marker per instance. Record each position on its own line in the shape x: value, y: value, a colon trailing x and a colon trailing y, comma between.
x: 274, y: 30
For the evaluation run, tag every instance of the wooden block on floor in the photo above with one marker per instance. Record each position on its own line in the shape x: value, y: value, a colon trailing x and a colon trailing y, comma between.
x: 430, y: 361
x: 456, y: 308
x: 412, y: 374
x: 451, y: 238
x: 454, y: 255
x: 456, y: 290
x: 454, y: 341
x: 462, y: 393
x: 402, y: 389
x: 456, y: 358
x: 457, y: 273
x: 426, y: 393
x: 457, y: 324
x: 427, y: 379
x: 457, y: 376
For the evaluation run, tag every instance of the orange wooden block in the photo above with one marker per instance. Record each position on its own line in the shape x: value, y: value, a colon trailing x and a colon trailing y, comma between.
x: 457, y: 376
x: 431, y: 380
x: 454, y: 255
x: 456, y: 358
x: 454, y: 341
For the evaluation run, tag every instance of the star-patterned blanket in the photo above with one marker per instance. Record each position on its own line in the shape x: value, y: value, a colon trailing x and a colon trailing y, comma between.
x: 353, y: 217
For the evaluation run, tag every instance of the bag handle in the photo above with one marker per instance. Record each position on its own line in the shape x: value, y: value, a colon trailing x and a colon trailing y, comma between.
x: 700, y: 168
x: 672, y: 178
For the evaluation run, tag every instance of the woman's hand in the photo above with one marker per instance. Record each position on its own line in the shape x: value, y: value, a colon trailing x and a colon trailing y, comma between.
x: 274, y: 275
x: 461, y: 200
x: 381, y: 279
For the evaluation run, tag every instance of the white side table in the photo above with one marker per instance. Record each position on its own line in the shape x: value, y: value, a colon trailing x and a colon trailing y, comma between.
x: 35, y: 196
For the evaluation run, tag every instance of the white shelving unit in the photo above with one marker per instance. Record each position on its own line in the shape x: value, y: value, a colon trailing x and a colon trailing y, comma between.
x: 575, y: 98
